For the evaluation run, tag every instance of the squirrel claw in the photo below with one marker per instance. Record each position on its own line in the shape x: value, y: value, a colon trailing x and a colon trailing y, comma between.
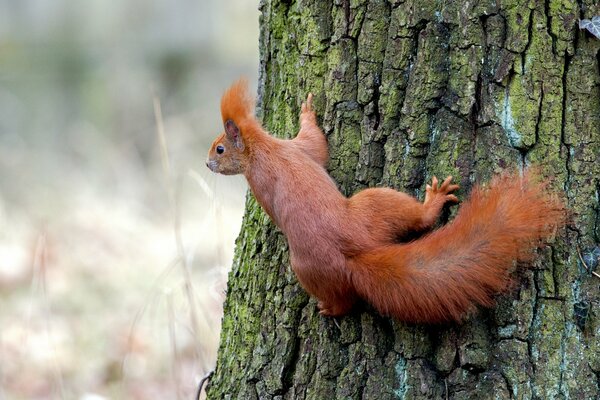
x: 307, y: 105
x: 447, y: 187
x: 446, y: 183
x: 326, y: 309
x: 326, y: 312
x: 451, y: 198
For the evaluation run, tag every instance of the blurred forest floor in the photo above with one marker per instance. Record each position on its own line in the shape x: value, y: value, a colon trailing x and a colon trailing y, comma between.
x: 93, y: 294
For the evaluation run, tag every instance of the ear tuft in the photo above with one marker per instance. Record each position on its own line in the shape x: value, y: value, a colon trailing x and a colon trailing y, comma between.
x: 233, y: 134
x: 236, y: 103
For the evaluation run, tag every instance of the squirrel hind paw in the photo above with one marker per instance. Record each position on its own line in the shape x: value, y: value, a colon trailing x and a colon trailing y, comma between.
x: 443, y: 191
x: 333, y: 310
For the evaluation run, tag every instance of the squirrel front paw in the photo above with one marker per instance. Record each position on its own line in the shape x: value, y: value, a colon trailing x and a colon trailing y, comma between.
x: 444, y: 191
x: 306, y: 112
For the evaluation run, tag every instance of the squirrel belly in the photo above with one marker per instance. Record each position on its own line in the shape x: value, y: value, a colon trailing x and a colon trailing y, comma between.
x: 343, y: 249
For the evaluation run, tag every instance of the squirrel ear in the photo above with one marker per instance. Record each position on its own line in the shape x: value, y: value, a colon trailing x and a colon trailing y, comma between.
x: 233, y: 134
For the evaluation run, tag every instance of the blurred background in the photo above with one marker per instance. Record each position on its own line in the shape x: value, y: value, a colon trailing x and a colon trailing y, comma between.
x: 115, y: 243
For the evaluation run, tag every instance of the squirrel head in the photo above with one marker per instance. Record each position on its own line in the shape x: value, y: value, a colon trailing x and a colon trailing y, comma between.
x: 226, y: 155
x: 229, y: 152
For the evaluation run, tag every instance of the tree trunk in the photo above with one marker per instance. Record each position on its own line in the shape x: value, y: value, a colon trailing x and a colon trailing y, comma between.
x: 406, y: 90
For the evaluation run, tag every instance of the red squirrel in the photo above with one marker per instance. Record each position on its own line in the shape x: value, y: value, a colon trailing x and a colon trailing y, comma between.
x: 343, y: 249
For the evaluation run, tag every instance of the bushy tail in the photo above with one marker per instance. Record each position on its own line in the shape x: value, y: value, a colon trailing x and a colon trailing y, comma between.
x: 446, y: 274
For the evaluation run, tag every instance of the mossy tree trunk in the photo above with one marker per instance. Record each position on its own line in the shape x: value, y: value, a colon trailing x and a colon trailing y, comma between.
x: 406, y: 90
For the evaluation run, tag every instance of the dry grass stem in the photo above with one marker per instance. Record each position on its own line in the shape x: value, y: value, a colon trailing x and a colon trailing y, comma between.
x: 39, y: 289
x: 174, y: 191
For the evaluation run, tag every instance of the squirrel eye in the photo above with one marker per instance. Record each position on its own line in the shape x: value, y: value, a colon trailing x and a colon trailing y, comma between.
x: 220, y: 149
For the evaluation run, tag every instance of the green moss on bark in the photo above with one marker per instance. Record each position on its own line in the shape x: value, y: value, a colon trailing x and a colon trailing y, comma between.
x: 406, y: 90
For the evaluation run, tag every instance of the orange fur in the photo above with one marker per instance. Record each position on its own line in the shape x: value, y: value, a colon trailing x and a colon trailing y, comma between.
x: 342, y: 249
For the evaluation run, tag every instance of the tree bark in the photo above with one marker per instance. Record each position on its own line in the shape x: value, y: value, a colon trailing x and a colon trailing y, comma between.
x: 406, y: 90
